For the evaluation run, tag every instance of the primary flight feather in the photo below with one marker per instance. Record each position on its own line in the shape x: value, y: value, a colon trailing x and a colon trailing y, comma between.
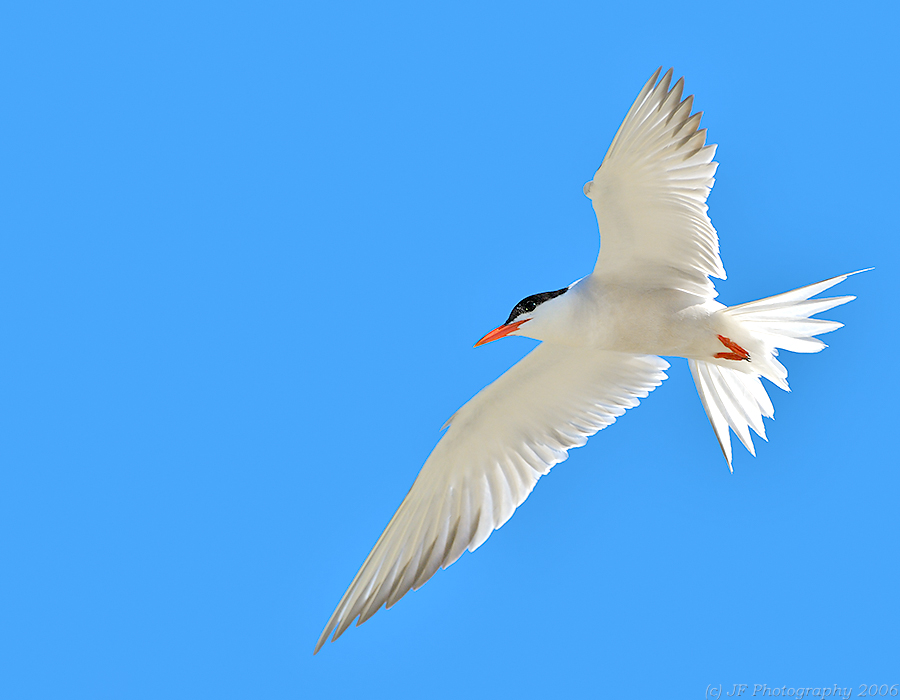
x: 650, y: 294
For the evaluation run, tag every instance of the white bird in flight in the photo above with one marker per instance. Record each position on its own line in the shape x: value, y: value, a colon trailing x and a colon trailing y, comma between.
x: 649, y: 295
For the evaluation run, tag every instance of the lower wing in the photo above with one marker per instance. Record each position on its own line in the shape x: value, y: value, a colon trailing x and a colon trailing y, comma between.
x: 497, y: 446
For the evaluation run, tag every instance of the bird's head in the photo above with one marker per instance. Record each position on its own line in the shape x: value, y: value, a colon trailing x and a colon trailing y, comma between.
x: 532, y: 308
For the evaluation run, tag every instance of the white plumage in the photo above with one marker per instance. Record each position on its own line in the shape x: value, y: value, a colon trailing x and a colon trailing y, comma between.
x: 649, y: 295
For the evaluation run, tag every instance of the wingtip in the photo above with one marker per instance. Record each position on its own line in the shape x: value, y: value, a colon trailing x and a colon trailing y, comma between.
x: 650, y: 84
x: 323, y: 638
x: 326, y: 633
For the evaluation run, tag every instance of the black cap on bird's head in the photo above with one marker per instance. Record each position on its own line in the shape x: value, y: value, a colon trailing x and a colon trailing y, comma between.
x: 520, y: 310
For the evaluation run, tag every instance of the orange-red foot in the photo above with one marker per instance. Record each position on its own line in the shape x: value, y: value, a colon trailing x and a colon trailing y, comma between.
x: 737, y: 352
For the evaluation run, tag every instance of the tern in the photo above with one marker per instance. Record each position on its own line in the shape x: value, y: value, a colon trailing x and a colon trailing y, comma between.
x: 602, y: 338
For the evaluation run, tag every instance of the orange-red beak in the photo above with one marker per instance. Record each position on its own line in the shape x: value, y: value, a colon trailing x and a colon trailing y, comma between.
x: 501, y: 332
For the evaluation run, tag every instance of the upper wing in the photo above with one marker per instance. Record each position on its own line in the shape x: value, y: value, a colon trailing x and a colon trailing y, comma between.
x: 650, y: 196
x: 489, y: 460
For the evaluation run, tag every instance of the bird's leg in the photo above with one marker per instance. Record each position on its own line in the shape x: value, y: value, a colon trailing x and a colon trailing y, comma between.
x: 737, y: 352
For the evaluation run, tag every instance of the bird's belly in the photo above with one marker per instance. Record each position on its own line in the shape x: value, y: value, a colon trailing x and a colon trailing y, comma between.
x: 656, y: 322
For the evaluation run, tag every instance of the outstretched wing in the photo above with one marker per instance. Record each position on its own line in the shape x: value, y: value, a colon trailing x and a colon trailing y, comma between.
x: 650, y: 196
x: 497, y: 447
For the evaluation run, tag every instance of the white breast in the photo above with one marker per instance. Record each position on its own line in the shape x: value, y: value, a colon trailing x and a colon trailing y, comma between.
x: 626, y: 318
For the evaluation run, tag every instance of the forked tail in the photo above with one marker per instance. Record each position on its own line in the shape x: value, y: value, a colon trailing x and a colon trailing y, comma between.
x: 736, y: 398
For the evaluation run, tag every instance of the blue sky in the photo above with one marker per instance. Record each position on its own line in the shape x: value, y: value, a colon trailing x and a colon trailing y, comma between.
x: 248, y: 248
